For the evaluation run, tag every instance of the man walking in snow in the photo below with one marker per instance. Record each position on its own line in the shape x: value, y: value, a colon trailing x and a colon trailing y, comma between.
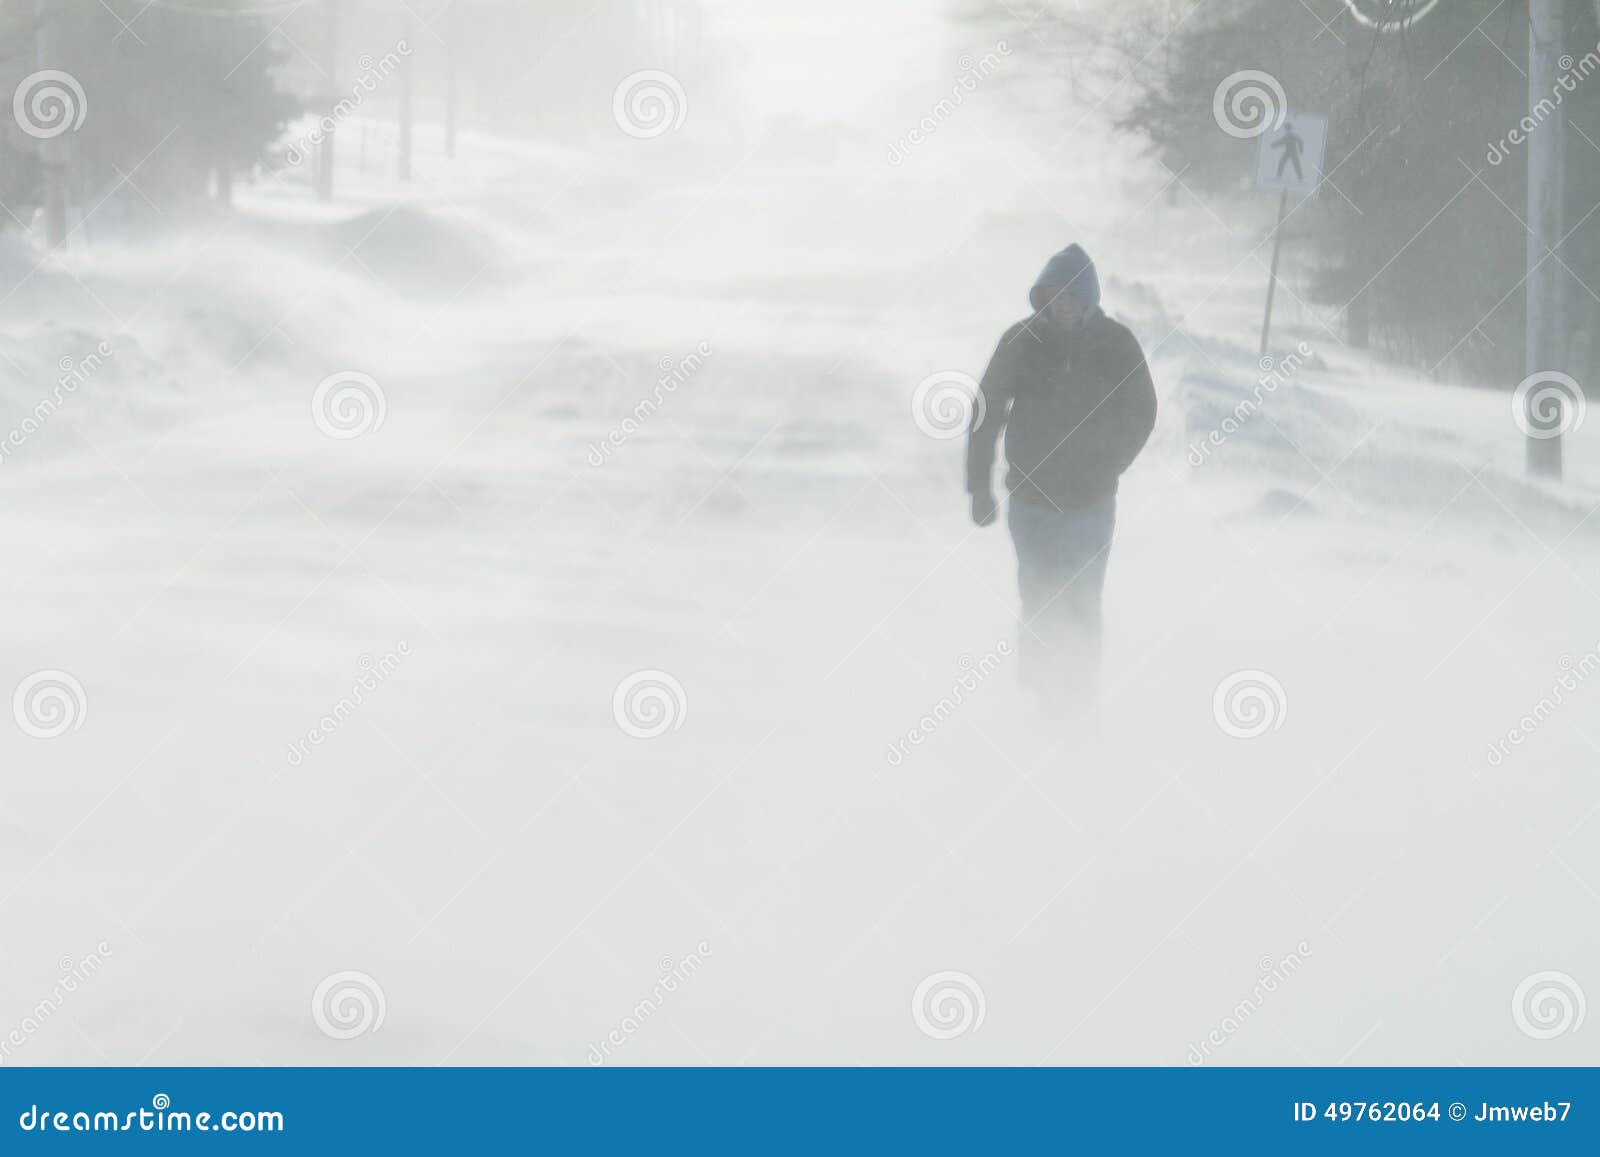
x: 1071, y: 390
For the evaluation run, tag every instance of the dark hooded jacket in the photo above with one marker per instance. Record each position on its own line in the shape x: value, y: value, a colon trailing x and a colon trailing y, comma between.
x: 1077, y: 405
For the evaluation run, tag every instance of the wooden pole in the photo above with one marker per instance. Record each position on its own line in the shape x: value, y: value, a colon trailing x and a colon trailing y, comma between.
x: 330, y: 61
x: 52, y: 153
x: 1545, y: 346
x: 452, y: 29
x: 406, y: 84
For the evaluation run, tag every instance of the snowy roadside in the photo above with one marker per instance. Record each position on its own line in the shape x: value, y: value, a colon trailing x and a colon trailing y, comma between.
x: 480, y: 838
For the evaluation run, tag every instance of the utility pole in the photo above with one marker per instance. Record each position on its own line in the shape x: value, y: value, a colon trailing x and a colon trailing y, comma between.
x: 330, y: 46
x: 218, y: 36
x: 1545, y: 347
x: 52, y: 152
x: 407, y: 73
x: 452, y: 29
x: 1166, y: 39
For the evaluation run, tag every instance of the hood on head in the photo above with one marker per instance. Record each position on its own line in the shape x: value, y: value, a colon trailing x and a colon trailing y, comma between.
x: 1069, y: 271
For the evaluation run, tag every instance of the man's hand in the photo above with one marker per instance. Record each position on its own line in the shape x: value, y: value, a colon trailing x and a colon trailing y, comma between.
x: 984, y: 508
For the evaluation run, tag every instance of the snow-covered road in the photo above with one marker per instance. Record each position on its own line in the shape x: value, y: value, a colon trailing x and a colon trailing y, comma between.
x: 515, y: 874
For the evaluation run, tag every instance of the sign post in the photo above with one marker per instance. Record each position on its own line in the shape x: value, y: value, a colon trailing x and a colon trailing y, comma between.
x: 1288, y: 161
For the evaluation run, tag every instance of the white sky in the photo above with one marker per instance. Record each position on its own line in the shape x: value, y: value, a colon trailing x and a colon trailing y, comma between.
x: 828, y: 58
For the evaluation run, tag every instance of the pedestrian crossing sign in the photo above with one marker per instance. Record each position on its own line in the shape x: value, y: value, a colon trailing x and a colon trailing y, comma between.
x: 1290, y: 156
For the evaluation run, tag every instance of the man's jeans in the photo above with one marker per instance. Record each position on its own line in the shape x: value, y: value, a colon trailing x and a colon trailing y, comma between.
x: 1061, y: 571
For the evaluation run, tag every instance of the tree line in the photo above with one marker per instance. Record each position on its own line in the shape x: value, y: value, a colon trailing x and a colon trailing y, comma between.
x: 1418, y: 239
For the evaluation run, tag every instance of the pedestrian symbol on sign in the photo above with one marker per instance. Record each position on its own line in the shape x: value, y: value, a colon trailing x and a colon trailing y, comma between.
x: 1290, y: 156
x: 1290, y: 144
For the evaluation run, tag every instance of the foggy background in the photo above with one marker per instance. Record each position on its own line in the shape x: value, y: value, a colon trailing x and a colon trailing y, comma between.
x: 485, y: 519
